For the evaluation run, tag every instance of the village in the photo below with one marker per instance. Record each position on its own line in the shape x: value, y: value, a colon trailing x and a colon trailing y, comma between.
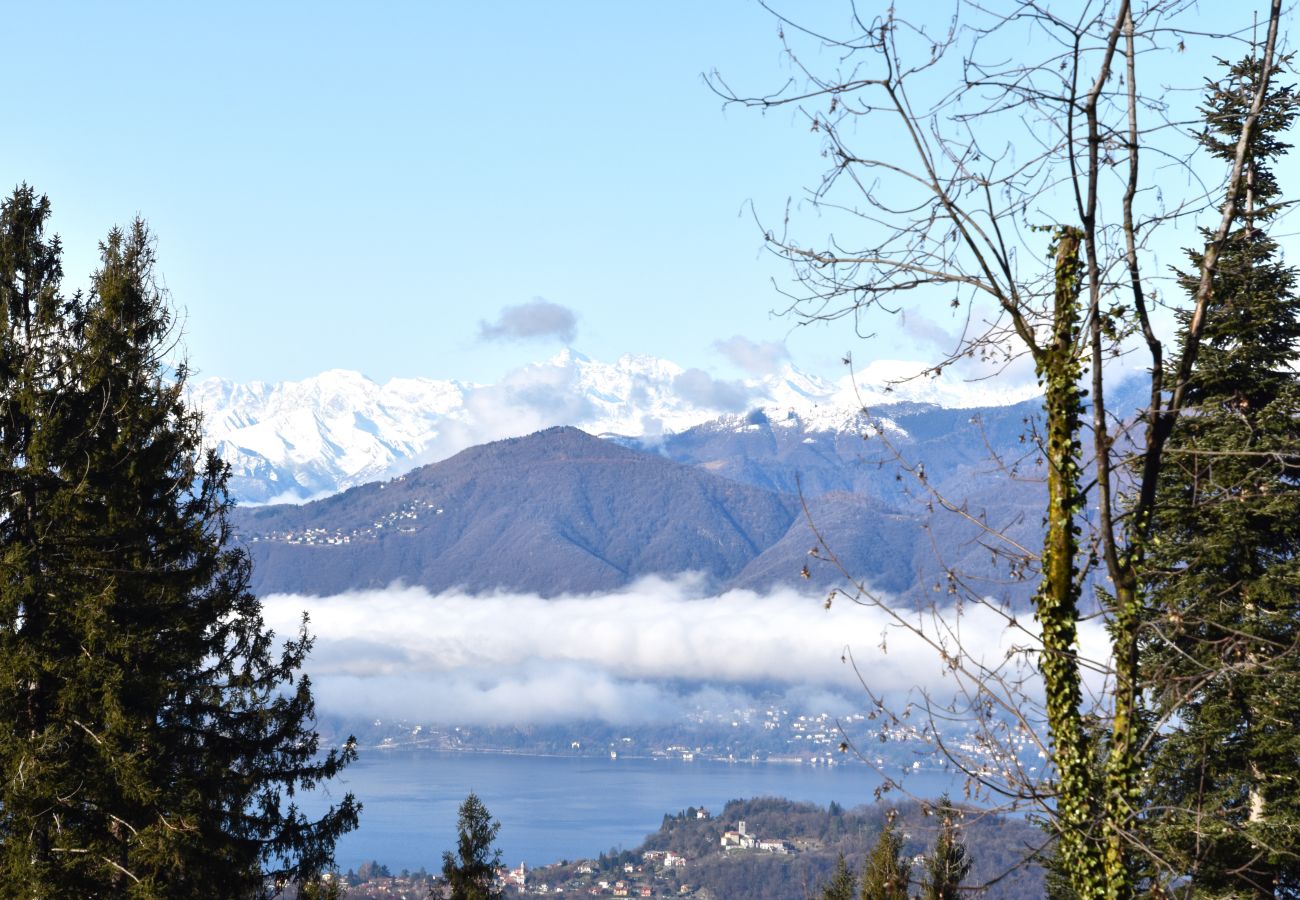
x: 657, y: 873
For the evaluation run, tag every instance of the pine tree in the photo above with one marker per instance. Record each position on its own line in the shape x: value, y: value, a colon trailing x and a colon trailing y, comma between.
x: 160, y: 736
x: 1224, y: 578
x: 949, y: 864
x: 471, y: 872
x: 843, y: 884
x: 32, y: 617
x: 884, y: 877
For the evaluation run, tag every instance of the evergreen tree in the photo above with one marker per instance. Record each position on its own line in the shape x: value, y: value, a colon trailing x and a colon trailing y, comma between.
x: 471, y: 872
x: 1056, y: 878
x: 949, y: 864
x: 159, y: 736
x: 33, y: 636
x: 886, y: 872
x: 843, y: 884
x: 1224, y: 579
x: 321, y: 888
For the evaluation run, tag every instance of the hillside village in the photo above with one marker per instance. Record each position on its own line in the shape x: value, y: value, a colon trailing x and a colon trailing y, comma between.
x: 659, y: 873
x: 761, y: 849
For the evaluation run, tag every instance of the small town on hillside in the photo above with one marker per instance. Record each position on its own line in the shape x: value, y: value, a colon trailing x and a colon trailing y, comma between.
x: 658, y: 873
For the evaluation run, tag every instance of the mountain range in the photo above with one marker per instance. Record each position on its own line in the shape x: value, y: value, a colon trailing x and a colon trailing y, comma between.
x: 738, y: 498
x: 297, y: 441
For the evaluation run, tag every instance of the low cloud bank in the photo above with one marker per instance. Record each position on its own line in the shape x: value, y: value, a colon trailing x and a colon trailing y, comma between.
x: 648, y: 653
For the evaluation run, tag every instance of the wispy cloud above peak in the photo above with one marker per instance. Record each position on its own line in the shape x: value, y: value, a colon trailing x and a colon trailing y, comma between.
x: 538, y: 319
x: 757, y: 358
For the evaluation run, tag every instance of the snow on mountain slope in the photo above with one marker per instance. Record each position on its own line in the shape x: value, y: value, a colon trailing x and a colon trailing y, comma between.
x: 297, y: 440
x: 294, y: 441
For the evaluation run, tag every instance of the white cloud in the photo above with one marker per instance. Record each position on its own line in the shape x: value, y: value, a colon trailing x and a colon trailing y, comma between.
x: 758, y: 358
x: 643, y: 653
x: 701, y: 389
x: 965, y: 384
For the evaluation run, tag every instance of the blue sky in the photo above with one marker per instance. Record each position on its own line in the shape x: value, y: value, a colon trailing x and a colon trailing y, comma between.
x: 363, y: 185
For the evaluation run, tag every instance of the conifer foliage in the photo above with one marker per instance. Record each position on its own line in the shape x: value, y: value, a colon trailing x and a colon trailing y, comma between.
x: 1223, y: 617
x: 843, y: 884
x: 471, y: 871
x: 155, y: 735
x: 948, y: 864
x: 886, y: 872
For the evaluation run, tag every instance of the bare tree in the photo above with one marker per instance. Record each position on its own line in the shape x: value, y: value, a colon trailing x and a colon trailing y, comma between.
x: 973, y: 163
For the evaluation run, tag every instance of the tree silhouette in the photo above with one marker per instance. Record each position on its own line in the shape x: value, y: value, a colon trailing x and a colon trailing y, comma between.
x: 843, y: 884
x: 1222, y: 649
x: 471, y: 871
x: 885, y: 875
x: 154, y: 734
x: 948, y: 864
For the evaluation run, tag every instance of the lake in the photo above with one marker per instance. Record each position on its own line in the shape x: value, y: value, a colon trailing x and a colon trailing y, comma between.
x: 553, y: 808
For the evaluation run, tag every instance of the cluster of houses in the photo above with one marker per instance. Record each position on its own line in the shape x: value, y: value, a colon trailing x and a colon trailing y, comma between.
x: 740, y: 839
x: 666, y: 858
x: 516, y: 882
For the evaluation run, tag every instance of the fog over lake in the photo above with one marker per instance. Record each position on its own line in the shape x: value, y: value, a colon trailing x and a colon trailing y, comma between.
x: 620, y: 657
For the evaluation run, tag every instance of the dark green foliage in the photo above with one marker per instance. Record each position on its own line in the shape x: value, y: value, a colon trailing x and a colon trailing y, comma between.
x: 319, y: 888
x: 948, y: 864
x: 1056, y: 878
x: 1223, y: 615
x: 155, y: 730
x: 884, y: 877
x: 373, y: 869
x: 843, y: 884
x: 471, y: 872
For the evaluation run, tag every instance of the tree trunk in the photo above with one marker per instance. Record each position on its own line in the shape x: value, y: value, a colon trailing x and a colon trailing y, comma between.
x: 1056, y: 604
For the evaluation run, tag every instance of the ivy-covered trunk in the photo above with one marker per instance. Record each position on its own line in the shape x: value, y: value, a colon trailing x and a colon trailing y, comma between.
x: 1086, y: 857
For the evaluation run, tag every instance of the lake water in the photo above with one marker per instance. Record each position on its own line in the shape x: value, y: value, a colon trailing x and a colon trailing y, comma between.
x: 553, y: 808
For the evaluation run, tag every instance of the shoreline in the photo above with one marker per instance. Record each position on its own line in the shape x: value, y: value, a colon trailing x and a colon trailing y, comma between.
x: 847, y: 762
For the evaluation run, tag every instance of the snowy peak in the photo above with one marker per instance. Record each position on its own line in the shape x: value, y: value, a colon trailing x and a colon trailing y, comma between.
x: 294, y: 441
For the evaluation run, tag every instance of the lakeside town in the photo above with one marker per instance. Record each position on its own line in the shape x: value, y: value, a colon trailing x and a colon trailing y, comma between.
x: 769, y: 733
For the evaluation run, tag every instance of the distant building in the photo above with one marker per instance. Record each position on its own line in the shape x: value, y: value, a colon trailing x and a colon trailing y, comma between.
x: 738, y: 839
x: 741, y: 839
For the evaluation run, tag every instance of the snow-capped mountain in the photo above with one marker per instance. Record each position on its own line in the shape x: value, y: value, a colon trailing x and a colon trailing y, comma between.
x: 294, y: 441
